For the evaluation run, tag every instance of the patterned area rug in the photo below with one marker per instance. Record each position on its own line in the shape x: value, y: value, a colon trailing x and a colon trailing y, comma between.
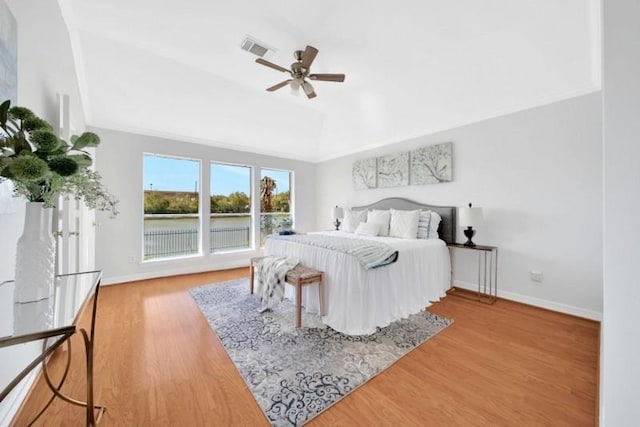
x: 294, y: 374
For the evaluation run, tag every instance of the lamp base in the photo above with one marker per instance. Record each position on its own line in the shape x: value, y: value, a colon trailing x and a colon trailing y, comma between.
x: 337, y: 224
x: 469, y: 232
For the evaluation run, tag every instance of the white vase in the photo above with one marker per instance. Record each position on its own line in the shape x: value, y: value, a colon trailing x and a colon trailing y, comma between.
x: 35, y: 256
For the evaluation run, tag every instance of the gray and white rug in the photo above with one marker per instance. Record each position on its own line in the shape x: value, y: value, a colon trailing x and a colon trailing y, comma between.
x: 294, y: 374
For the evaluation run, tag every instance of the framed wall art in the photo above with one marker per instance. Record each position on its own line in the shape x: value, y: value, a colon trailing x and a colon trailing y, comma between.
x: 393, y: 170
x: 432, y: 164
x: 8, y: 55
x: 364, y: 174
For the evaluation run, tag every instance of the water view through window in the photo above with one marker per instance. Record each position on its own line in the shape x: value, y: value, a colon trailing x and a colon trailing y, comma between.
x: 275, y: 202
x: 172, y: 211
x: 230, y: 207
x: 171, y: 206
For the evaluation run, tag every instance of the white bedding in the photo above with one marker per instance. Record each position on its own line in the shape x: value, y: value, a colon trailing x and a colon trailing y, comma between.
x: 359, y: 300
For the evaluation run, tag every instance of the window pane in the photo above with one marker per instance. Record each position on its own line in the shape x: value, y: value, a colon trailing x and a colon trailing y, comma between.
x: 275, y: 202
x: 230, y: 207
x: 171, y: 207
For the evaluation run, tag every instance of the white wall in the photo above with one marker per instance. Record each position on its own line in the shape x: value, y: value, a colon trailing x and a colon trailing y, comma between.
x: 119, y: 160
x: 537, y: 174
x: 45, y: 68
x: 620, y: 359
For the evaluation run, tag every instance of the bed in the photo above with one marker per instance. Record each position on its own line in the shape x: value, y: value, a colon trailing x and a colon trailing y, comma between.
x: 358, y: 300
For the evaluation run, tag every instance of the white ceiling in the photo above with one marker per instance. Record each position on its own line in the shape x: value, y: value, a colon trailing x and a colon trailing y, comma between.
x: 175, y: 68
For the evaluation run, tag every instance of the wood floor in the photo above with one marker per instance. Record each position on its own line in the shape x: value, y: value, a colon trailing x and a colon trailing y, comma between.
x: 158, y: 363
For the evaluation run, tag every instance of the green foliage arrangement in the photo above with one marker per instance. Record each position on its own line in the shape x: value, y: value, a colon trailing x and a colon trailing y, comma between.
x: 170, y: 202
x: 43, y: 166
x: 236, y: 202
x: 175, y: 202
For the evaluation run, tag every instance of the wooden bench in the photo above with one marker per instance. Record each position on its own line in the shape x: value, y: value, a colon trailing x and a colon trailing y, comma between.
x: 299, y: 276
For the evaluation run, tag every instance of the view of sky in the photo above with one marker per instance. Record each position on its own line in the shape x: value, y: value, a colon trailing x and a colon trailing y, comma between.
x: 226, y: 179
x: 171, y: 174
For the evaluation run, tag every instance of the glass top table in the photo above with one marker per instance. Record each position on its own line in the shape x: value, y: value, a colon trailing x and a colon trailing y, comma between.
x: 55, y: 320
x: 48, y: 317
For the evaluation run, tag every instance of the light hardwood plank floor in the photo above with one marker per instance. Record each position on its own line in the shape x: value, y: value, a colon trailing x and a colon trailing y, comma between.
x: 158, y: 363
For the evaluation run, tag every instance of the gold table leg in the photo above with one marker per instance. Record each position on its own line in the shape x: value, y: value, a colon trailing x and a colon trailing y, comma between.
x: 92, y: 420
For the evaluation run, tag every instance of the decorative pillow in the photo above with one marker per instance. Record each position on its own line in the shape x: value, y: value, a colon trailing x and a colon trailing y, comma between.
x: 368, y: 229
x: 424, y: 224
x: 404, y: 224
x: 435, y: 224
x: 380, y: 217
x: 352, y: 219
x: 428, y: 225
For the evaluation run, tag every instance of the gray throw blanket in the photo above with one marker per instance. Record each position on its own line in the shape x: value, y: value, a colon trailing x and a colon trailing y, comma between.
x: 270, y: 272
x: 370, y: 254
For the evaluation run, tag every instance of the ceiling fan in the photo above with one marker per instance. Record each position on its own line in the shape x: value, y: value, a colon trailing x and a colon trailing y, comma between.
x: 300, y: 72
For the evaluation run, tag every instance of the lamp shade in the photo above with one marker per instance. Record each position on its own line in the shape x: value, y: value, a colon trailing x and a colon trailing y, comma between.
x: 469, y: 216
x: 337, y: 213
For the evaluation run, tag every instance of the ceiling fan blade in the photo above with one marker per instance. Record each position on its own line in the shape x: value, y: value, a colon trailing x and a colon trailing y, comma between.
x: 327, y: 77
x: 279, y: 85
x: 308, y: 56
x: 308, y: 89
x: 272, y: 65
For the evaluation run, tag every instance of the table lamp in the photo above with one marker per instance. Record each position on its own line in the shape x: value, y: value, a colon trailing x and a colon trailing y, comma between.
x: 469, y: 217
x: 337, y: 214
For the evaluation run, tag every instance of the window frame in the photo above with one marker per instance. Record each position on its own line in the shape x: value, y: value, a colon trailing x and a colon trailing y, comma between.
x: 199, y: 222
x: 252, y: 231
x: 291, y: 201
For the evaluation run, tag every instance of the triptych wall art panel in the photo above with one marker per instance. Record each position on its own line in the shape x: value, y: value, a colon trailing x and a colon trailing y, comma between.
x: 432, y: 164
x: 393, y: 170
x: 365, y: 174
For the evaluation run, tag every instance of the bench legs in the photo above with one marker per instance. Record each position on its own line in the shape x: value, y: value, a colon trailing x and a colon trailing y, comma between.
x: 321, y: 294
x: 251, y: 273
x: 298, y: 284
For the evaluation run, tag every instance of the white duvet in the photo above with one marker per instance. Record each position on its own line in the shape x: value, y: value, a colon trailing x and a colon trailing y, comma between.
x: 359, y: 300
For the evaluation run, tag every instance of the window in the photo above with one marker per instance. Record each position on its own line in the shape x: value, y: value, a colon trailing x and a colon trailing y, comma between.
x: 230, y: 207
x: 171, y: 206
x: 275, y: 202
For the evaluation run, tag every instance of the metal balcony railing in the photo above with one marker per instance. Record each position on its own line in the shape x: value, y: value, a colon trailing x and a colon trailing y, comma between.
x: 165, y: 243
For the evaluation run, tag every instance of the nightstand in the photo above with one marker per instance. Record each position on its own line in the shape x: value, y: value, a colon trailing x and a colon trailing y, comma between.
x: 487, y: 273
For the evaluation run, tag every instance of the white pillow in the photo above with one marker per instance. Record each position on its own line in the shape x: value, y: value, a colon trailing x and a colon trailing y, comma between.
x: 424, y: 224
x: 352, y: 219
x: 404, y: 224
x: 368, y: 229
x: 380, y: 217
x: 435, y: 223
x: 428, y: 225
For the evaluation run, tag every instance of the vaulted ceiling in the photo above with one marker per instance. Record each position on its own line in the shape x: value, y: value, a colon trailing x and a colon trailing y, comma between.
x: 413, y: 67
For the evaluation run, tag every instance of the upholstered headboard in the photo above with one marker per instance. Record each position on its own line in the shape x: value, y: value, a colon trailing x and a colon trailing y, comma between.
x: 447, y: 229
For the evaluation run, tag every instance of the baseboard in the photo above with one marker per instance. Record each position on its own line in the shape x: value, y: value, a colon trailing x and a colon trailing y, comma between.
x: 11, y: 404
x: 176, y: 271
x: 538, y: 302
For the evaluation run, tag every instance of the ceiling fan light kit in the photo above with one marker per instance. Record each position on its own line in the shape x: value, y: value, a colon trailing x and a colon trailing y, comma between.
x: 299, y: 72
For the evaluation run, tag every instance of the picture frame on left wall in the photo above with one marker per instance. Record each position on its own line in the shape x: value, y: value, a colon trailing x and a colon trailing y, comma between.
x: 8, y: 55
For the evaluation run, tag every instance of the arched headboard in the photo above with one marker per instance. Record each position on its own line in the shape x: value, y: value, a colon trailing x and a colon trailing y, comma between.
x: 447, y: 229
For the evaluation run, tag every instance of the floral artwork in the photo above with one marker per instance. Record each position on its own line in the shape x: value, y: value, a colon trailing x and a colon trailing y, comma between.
x: 393, y: 170
x: 364, y: 174
x: 432, y: 164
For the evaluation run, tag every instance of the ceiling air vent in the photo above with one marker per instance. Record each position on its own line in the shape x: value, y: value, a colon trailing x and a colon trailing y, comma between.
x: 255, y: 47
